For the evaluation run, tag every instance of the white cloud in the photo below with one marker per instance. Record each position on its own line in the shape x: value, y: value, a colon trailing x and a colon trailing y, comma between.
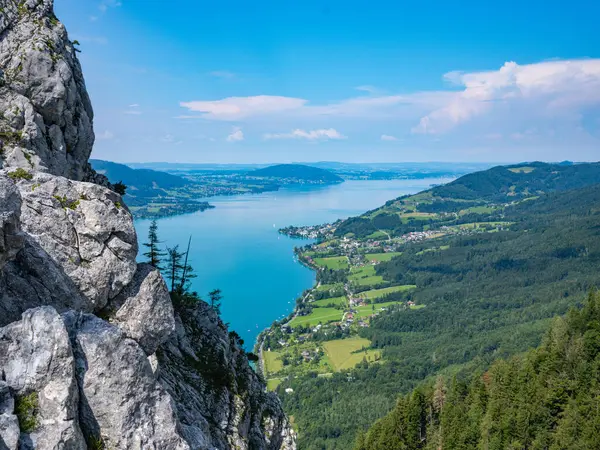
x: 549, y: 88
x: 133, y: 110
x: 236, y: 135
x: 312, y: 135
x: 105, y: 4
x: 387, y: 137
x: 234, y: 108
x: 105, y: 136
x: 238, y: 108
x: 548, y: 95
x: 170, y: 139
x: 367, y: 88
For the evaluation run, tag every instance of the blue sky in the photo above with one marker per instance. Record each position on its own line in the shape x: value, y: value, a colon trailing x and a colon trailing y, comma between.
x: 278, y: 81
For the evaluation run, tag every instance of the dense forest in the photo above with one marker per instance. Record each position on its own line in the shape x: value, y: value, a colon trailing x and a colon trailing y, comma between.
x: 547, y: 398
x: 488, y: 296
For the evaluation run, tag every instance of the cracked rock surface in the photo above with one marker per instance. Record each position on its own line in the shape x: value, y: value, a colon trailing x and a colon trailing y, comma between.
x: 94, y: 353
x: 47, y: 117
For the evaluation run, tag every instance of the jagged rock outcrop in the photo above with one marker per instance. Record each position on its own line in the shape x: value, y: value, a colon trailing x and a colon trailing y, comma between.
x: 86, y: 229
x: 11, y: 240
x: 93, y: 352
x: 123, y: 404
x: 143, y: 310
x: 38, y: 366
x: 46, y: 121
x: 9, y: 423
x: 222, y: 403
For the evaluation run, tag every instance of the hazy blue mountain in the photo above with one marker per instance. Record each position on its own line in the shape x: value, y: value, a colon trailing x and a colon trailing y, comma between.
x: 297, y: 171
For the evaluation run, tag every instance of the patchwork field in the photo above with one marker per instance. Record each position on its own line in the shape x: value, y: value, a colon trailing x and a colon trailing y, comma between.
x: 272, y: 383
x: 337, y: 301
x: 381, y: 257
x: 378, y: 293
x: 323, y: 315
x: 341, y: 356
x: 272, y: 362
x: 335, y: 262
x: 365, y: 276
x: 522, y: 169
x: 365, y: 311
x: 329, y: 287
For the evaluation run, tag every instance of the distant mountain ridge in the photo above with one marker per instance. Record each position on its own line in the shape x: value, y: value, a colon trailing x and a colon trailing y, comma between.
x: 140, y: 178
x: 297, y: 171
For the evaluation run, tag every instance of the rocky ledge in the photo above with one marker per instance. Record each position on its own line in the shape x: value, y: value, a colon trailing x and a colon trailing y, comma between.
x: 94, y: 353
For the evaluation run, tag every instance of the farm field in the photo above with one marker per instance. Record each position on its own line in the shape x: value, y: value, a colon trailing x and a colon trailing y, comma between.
x: 477, y: 210
x: 335, y: 262
x: 272, y: 362
x: 340, y: 352
x: 434, y: 249
x: 381, y: 257
x: 323, y: 315
x: 378, y: 293
x: 337, y: 301
x: 365, y: 276
x: 272, y: 383
x: 328, y: 287
x: 365, y: 311
x: 377, y: 235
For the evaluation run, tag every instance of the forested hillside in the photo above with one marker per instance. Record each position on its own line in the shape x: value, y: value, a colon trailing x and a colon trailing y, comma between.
x: 547, y: 398
x: 487, y: 295
x: 299, y: 172
x: 459, y: 201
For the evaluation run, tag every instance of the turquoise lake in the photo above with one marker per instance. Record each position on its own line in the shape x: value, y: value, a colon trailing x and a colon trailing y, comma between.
x: 236, y: 247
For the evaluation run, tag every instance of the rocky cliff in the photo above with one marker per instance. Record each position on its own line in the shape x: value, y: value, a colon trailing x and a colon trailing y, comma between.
x: 93, y: 351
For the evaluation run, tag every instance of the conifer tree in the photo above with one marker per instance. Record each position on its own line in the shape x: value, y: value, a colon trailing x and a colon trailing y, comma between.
x: 215, y: 300
x: 154, y: 254
x: 174, y: 267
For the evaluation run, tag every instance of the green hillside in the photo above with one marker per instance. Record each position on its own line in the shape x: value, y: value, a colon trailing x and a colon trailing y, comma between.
x: 475, y: 193
x: 547, y: 398
x: 491, y: 281
x: 298, y: 172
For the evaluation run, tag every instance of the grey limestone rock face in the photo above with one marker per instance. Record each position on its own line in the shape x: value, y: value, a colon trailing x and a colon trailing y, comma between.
x: 143, y: 310
x: 222, y: 403
x: 122, y: 402
x: 157, y: 375
x: 46, y: 121
x: 86, y: 230
x: 9, y: 424
x: 11, y: 239
x: 38, y: 366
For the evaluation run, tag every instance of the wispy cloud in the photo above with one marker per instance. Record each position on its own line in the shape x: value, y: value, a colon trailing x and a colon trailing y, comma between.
x: 387, y: 137
x: 236, y: 135
x: 104, y: 6
x: 235, y: 108
x: 133, y: 110
x: 367, y: 88
x: 548, y: 94
x: 552, y: 87
x: 311, y: 135
x: 238, y: 108
x: 170, y: 139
